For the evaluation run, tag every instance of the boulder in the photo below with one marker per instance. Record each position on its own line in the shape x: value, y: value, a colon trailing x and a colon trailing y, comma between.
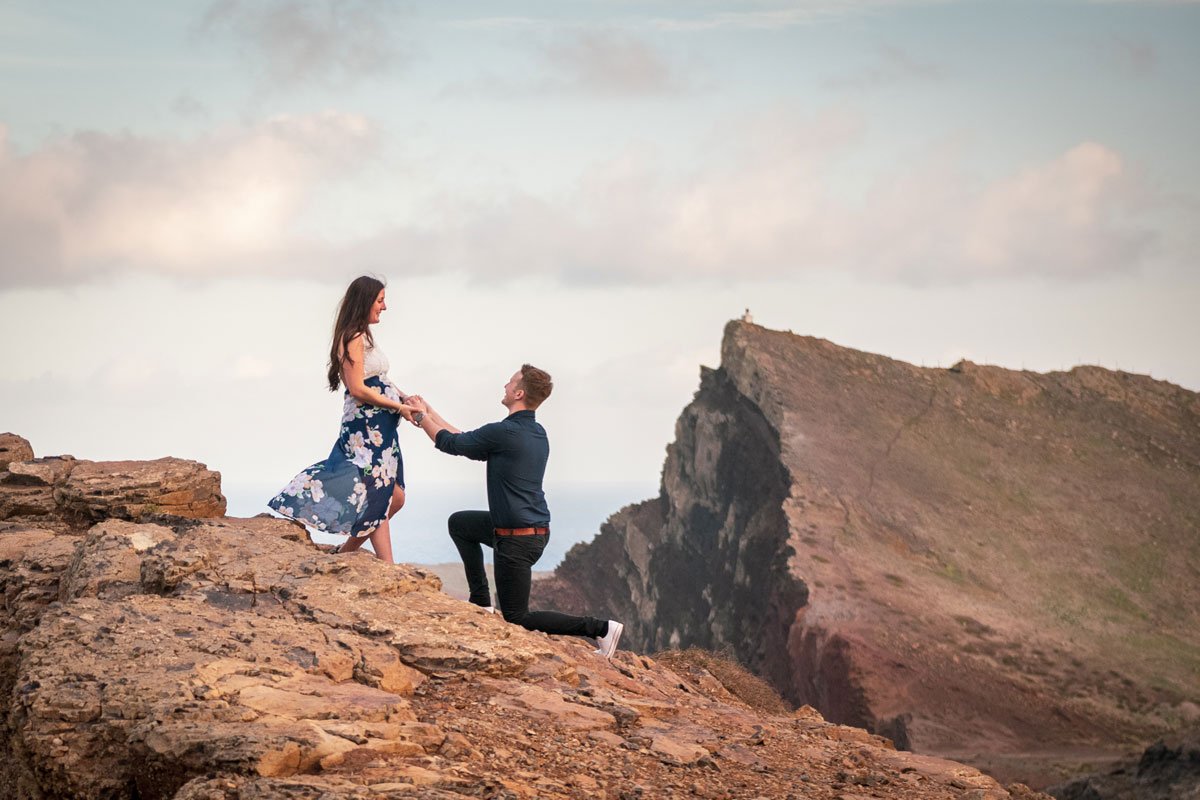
x: 13, y: 448
x: 136, y: 489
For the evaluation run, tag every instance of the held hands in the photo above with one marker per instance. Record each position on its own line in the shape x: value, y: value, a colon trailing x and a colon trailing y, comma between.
x: 407, y: 410
x: 418, y: 405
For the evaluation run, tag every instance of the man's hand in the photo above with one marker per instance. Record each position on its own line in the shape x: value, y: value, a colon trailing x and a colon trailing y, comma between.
x: 418, y: 403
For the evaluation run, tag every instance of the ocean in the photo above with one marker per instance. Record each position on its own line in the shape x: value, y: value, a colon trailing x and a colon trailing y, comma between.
x: 419, y: 529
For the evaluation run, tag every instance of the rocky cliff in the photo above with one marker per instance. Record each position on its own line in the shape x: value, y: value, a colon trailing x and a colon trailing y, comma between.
x: 999, y: 566
x: 188, y: 655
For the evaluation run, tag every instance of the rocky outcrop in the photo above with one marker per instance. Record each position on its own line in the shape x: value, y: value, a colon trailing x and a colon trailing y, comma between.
x: 13, y: 448
x: 223, y: 659
x: 78, y: 491
x: 1167, y: 770
x: 1000, y: 566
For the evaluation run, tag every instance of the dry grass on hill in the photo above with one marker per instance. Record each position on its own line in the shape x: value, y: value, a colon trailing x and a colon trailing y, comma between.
x: 694, y: 663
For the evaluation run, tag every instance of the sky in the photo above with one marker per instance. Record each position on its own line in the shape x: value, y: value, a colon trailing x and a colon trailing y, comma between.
x: 186, y: 189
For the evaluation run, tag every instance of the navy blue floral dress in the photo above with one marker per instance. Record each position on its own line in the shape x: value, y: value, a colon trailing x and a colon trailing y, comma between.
x: 348, y: 493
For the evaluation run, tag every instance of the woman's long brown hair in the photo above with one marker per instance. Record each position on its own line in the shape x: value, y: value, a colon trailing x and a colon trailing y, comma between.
x: 353, y: 318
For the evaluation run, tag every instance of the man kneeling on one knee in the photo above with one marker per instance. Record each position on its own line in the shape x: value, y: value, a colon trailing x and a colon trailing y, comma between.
x: 517, y: 523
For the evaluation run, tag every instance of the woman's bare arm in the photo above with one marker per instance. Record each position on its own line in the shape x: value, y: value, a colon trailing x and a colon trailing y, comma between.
x: 352, y: 377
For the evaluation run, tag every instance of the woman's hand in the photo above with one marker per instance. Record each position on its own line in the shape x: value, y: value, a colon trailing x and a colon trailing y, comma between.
x: 405, y: 410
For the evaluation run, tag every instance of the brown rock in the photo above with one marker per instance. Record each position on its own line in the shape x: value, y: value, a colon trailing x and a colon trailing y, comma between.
x: 13, y: 448
x: 134, y: 489
x: 108, y: 564
x: 27, y: 488
x: 230, y: 659
x: 677, y: 752
x: 540, y: 704
x: 48, y: 471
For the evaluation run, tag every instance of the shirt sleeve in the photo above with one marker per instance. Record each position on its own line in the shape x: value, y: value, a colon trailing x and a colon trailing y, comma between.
x: 476, y: 445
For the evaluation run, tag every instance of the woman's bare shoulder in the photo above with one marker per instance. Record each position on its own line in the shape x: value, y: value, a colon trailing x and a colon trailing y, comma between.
x: 355, y: 346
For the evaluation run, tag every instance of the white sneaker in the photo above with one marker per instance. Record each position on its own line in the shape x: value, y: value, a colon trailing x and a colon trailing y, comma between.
x: 489, y: 609
x: 607, y: 644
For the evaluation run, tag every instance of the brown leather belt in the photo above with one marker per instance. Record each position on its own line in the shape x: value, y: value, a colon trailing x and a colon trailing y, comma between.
x: 520, y: 531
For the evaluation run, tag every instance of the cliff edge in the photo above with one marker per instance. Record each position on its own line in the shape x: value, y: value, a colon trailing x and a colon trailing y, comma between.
x: 997, y: 566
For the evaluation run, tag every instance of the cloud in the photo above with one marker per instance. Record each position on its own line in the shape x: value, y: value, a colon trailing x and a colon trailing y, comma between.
x: 1079, y: 215
x: 96, y: 203
x: 584, y: 60
x: 186, y: 105
x: 1136, y: 57
x: 801, y: 12
x: 766, y: 15
x: 894, y: 65
x: 769, y: 200
x: 769, y: 210
x: 293, y: 42
x: 609, y: 62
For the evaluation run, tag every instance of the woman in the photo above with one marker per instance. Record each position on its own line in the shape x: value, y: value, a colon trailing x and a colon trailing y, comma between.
x: 360, y: 486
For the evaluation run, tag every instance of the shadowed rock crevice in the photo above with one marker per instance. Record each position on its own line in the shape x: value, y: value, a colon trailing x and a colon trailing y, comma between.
x: 716, y: 571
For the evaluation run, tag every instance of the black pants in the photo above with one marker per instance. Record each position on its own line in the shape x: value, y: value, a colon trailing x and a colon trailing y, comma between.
x: 514, y: 560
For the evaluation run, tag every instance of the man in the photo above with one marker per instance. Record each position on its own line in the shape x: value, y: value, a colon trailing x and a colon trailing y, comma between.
x: 517, y: 524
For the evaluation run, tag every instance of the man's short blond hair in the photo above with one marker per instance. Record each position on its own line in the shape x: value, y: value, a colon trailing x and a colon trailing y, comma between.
x: 537, y: 385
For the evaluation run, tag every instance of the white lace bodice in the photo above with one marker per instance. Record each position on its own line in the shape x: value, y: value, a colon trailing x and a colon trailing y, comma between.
x: 374, y: 361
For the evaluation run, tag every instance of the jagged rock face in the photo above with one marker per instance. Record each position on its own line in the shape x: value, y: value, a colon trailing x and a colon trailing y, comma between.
x: 972, y: 561
x: 228, y: 659
x: 705, y: 563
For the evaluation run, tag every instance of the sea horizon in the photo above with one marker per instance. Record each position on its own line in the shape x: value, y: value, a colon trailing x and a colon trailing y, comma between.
x: 419, y: 536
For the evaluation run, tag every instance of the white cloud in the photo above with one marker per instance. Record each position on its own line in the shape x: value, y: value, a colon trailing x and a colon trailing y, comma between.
x: 299, y: 41
x: 1078, y: 215
x: 95, y: 203
x: 1074, y: 215
x: 767, y: 207
x: 768, y: 202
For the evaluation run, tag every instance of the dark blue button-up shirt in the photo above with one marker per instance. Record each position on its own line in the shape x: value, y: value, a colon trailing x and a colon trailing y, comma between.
x: 516, y: 450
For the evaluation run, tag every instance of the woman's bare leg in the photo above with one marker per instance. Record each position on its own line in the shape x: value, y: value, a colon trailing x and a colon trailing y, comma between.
x: 378, y: 539
x: 381, y: 539
x: 351, y: 544
x: 397, y: 500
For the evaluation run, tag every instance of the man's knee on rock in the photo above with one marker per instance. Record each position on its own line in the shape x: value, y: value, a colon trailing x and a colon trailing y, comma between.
x: 515, y: 617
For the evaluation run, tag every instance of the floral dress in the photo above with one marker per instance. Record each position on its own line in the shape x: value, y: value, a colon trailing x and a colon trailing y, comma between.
x: 348, y: 493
